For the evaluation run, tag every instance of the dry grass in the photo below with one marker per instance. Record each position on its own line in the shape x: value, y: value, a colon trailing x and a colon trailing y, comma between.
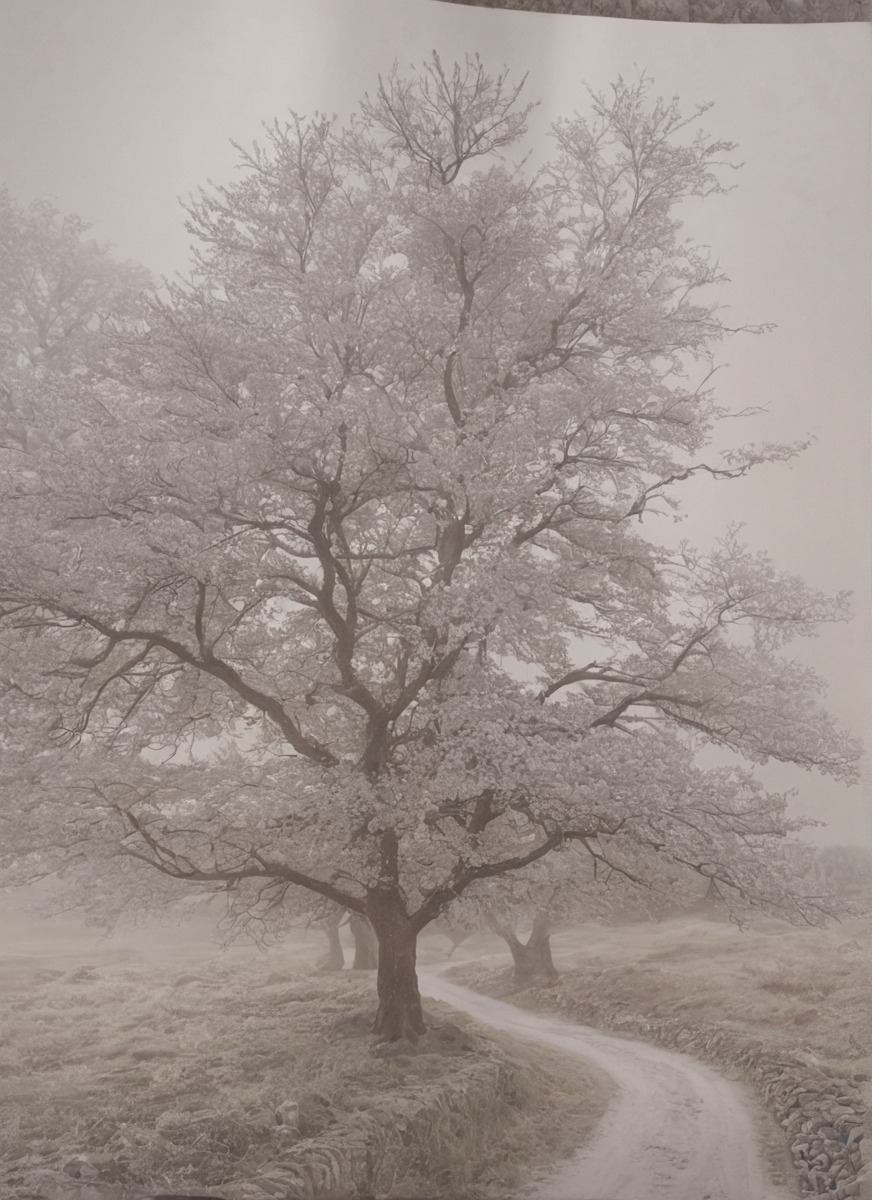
x: 805, y: 990
x: 160, y: 1073
x: 553, y: 1108
x: 801, y: 990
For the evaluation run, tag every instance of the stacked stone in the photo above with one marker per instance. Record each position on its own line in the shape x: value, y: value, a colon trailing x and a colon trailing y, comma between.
x: 823, y: 1117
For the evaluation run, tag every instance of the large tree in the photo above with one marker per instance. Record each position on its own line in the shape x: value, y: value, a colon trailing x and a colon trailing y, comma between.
x: 330, y: 569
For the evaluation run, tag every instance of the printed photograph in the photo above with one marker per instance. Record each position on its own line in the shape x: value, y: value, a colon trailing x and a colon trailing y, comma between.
x: 435, y: 611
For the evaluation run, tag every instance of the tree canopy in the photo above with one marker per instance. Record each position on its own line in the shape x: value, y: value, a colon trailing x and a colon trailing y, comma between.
x: 326, y: 566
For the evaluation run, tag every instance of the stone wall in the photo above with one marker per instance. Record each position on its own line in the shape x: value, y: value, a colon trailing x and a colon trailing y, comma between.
x: 823, y: 1117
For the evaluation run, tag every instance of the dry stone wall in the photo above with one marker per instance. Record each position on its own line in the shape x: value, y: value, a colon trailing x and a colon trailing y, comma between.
x: 823, y: 1117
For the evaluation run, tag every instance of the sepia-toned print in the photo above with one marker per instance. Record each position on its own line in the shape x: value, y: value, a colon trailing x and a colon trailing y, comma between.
x: 434, y: 613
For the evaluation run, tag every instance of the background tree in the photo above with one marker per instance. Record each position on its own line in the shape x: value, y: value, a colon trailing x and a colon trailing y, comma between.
x: 58, y: 291
x: 846, y: 871
x: 674, y: 865
x: 334, y: 960
x: 455, y: 928
x: 342, y: 583
x: 569, y: 887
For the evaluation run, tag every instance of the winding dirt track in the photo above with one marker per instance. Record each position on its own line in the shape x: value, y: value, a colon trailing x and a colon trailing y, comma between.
x: 675, y: 1131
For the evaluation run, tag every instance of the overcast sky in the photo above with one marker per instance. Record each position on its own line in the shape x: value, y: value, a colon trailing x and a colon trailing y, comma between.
x: 114, y: 110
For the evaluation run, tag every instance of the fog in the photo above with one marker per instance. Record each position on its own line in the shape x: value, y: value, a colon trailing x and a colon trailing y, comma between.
x: 155, y: 1056
x: 116, y: 112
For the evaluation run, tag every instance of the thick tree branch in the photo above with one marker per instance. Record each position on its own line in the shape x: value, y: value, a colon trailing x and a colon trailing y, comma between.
x: 270, y: 706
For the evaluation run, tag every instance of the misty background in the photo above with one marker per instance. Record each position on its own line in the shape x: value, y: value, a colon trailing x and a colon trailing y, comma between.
x: 114, y: 112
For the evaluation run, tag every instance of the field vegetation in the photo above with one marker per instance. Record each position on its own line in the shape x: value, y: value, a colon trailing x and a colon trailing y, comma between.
x: 161, y: 1064
x: 803, y: 990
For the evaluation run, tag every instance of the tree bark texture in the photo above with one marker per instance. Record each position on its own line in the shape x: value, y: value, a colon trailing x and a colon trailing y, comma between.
x: 399, y: 1012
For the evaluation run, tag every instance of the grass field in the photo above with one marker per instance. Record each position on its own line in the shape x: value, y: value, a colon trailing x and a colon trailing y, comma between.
x: 803, y: 990
x: 160, y: 1063
x: 157, y: 1061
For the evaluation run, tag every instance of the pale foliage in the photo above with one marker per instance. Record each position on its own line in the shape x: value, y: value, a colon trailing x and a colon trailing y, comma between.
x: 303, y: 560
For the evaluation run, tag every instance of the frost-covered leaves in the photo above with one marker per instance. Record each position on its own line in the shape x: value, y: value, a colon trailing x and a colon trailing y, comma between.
x: 60, y: 293
x: 57, y: 286
x: 340, y: 542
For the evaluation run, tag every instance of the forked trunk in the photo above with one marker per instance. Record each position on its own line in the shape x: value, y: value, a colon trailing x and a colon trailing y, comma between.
x: 456, y: 937
x: 365, y: 943
x: 712, y: 907
x: 533, y: 962
x: 399, y: 1012
x: 532, y: 959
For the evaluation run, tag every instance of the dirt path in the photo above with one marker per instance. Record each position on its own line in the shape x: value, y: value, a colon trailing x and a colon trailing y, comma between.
x: 676, y: 1130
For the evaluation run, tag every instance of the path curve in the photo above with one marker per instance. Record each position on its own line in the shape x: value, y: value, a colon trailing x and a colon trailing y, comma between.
x: 676, y: 1129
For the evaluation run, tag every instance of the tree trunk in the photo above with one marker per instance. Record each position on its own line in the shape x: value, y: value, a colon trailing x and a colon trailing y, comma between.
x: 712, y: 906
x: 399, y: 1001
x: 365, y: 943
x: 456, y: 937
x: 540, y: 963
x: 533, y: 962
x: 335, y: 960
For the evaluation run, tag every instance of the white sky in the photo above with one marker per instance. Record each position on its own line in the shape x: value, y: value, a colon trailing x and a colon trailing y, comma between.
x: 114, y: 110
